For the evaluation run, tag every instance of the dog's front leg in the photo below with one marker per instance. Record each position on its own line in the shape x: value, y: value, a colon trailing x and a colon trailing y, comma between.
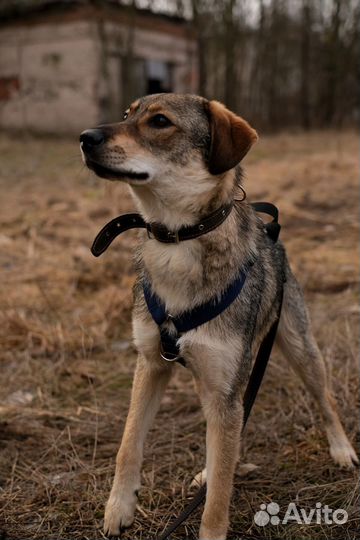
x: 150, y: 381
x: 224, y: 421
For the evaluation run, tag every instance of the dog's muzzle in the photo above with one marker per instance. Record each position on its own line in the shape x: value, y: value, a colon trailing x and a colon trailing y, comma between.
x: 96, y: 155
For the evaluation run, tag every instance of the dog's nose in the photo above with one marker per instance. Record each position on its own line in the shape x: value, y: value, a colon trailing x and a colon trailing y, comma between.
x: 91, y: 138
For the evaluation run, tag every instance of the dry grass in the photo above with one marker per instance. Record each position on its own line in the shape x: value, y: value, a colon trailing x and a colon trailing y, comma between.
x: 67, y: 358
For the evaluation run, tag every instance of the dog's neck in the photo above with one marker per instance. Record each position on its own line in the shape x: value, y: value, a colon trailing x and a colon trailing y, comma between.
x: 186, y: 274
x: 183, y: 199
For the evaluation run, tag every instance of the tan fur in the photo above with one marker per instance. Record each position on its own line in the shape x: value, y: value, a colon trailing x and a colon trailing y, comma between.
x: 191, y: 169
x: 314, y: 376
x: 150, y: 381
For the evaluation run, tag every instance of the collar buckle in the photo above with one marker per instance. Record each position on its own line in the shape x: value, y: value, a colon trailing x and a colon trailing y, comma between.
x: 174, y: 237
x: 160, y: 233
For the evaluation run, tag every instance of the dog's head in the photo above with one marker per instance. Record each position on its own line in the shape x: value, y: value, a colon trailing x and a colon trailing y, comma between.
x: 171, y: 143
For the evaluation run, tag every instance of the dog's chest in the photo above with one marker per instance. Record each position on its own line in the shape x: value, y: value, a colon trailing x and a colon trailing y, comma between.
x: 175, y: 272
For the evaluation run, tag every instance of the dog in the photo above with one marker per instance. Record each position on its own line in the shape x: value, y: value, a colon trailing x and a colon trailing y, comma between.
x: 181, y: 158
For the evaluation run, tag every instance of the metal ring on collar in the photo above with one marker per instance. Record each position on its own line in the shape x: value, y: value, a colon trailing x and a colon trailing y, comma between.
x: 243, y: 194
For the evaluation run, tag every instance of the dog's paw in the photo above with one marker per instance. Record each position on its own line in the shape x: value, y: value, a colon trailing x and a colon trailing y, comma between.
x: 242, y: 470
x: 246, y: 468
x: 344, y: 455
x: 119, y: 513
x: 199, y: 479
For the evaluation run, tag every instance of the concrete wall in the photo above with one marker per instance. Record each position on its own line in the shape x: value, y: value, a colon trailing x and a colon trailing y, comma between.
x: 63, y: 77
x: 113, y: 51
x: 56, y: 67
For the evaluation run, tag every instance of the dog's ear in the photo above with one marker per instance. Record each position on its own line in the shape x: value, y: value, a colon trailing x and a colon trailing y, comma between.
x: 231, y: 138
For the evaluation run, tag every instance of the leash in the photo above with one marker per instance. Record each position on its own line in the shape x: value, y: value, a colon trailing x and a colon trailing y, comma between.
x: 201, y: 314
x: 250, y: 394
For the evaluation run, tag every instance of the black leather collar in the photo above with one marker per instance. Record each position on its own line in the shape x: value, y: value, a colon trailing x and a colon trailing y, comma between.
x: 157, y: 230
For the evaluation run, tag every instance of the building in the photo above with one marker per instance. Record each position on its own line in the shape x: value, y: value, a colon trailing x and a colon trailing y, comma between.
x: 70, y: 64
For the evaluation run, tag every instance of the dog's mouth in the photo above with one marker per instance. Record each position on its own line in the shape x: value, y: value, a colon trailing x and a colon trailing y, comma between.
x: 115, y: 174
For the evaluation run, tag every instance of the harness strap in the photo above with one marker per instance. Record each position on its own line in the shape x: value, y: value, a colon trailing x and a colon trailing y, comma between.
x: 272, y: 228
x: 190, y: 319
x: 251, y: 391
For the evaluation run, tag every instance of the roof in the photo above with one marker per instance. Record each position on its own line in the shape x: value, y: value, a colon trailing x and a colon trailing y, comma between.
x: 30, y: 10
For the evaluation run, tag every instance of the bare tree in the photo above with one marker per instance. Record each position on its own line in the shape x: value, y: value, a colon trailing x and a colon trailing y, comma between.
x: 306, y: 30
x: 199, y: 18
x: 229, y: 41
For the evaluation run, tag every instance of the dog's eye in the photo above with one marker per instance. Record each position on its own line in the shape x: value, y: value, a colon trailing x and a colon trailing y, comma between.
x: 160, y: 121
x: 126, y: 114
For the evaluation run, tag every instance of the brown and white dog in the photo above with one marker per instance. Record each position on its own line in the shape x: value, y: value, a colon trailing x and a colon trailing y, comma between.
x: 180, y: 156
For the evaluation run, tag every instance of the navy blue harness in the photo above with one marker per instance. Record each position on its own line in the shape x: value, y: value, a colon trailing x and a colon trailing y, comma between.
x: 188, y: 320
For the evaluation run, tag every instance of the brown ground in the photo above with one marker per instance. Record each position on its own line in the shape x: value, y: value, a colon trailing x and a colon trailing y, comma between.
x: 67, y: 358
